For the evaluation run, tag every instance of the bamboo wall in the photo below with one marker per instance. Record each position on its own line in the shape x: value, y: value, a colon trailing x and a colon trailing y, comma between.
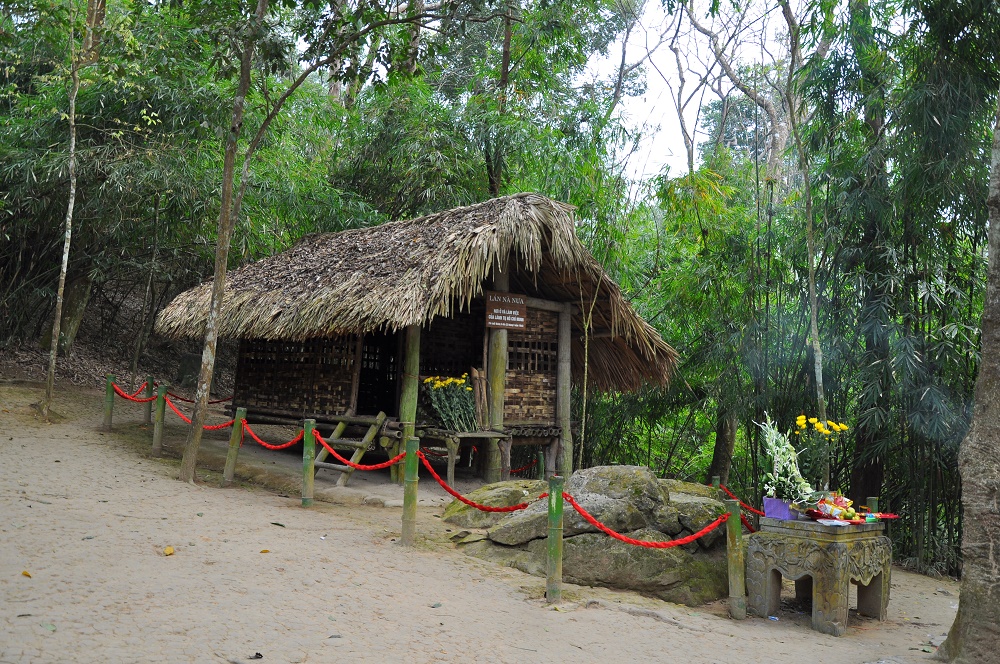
x: 530, y: 396
x: 312, y: 376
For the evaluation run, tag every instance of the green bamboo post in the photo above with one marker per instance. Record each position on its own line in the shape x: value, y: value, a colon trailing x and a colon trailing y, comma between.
x: 411, y: 384
x: 234, y: 447
x: 308, y: 462
x: 147, y: 417
x: 161, y: 406
x: 553, y: 562
x: 109, y: 400
x: 716, y: 484
x: 410, y: 493
x: 737, y: 566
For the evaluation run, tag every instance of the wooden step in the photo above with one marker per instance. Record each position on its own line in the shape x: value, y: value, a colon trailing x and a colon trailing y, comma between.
x: 333, y: 466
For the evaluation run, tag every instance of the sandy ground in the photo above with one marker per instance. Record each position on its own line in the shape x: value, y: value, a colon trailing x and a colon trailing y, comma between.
x: 88, y: 515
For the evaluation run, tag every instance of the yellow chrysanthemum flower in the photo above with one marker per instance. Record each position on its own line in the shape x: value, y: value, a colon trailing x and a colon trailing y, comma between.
x: 843, y: 427
x: 813, y: 420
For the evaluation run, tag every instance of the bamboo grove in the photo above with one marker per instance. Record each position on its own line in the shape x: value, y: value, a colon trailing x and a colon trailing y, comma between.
x: 837, y: 165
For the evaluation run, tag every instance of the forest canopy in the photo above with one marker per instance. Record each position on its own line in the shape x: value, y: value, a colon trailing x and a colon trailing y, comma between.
x: 819, y: 248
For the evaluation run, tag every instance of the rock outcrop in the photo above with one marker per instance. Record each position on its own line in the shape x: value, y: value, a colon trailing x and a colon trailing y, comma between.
x: 628, y: 499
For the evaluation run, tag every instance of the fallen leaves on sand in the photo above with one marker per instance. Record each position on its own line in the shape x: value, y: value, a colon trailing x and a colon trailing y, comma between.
x: 169, y: 551
x: 265, y: 551
x: 26, y: 573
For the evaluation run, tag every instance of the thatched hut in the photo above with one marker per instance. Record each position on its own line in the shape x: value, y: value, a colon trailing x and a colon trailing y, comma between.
x: 344, y: 325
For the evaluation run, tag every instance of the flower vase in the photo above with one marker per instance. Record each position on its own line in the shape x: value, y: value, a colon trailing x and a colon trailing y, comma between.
x: 775, y: 508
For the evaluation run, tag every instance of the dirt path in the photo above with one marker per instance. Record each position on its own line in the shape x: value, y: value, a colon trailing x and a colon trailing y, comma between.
x: 88, y: 516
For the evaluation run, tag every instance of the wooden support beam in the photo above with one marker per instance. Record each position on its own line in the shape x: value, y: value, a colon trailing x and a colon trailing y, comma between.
x: 564, y: 388
x: 410, y: 382
x: 496, y: 373
x: 359, y: 348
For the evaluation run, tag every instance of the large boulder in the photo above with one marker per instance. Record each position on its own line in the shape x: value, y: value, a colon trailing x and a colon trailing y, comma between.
x: 679, y: 486
x: 499, y: 494
x: 635, y: 484
x: 696, y: 512
x: 629, y: 500
x: 673, y: 574
x: 533, y: 523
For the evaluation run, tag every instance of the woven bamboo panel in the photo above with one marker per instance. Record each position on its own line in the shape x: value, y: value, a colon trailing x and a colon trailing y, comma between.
x: 313, y: 376
x: 532, y: 363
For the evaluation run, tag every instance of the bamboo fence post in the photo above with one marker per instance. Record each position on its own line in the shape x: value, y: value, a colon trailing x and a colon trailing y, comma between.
x: 716, y: 484
x: 411, y: 385
x: 161, y: 405
x: 553, y: 561
x: 410, y: 493
x: 235, y: 438
x: 737, y: 565
x: 109, y: 400
x: 147, y: 417
x: 308, y: 461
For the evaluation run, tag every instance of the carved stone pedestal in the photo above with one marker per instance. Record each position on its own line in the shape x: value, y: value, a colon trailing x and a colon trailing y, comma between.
x: 823, y: 561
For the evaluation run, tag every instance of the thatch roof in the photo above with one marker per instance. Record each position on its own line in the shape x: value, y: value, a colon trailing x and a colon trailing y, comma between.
x: 408, y: 272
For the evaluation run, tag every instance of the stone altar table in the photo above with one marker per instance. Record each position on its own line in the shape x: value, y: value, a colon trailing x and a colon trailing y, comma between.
x: 823, y: 560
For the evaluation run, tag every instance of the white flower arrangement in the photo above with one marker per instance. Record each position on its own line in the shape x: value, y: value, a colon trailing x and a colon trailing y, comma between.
x: 785, y: 480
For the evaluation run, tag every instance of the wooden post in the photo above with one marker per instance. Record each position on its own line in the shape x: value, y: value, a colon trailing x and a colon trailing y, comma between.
x: 717, y: 484
x: 410, y: 493
x: 356, y: 374
x: 411, y: 383
x: 161, y: 405
x: 308, y: 460
x: 737, y: 566
x: 564, y: 389
x: 553, y: 560
x: 235, y: 438
x: 496, y: 376
x: 148, y: 406
x: 109, y: 400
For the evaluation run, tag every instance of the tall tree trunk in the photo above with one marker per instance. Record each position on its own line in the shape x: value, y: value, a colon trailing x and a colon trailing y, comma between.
x: 795, y: 114
x: 87, y: 55
x: 871, y: 434
x: 975, y: 634
x: 496, y: 148
x: 50, y: 378
x: 226, y: 223
x: 725, y: 443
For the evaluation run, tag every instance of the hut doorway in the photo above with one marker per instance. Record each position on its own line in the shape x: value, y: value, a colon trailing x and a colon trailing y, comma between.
x: 378, y: 384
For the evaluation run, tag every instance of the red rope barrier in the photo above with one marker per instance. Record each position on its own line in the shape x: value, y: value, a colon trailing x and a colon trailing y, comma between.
x: 269, y: 446
x: 213, y: 427
x: 433, y: 453
x: 524, y: 468
x: 458, y: 496
x: 357, y: 466
x: 179, y: 413
x: 132, y: 397
x: 649, y: 545
x: 746, y: 523
x: 742, y: 504
x: 186, y: 400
